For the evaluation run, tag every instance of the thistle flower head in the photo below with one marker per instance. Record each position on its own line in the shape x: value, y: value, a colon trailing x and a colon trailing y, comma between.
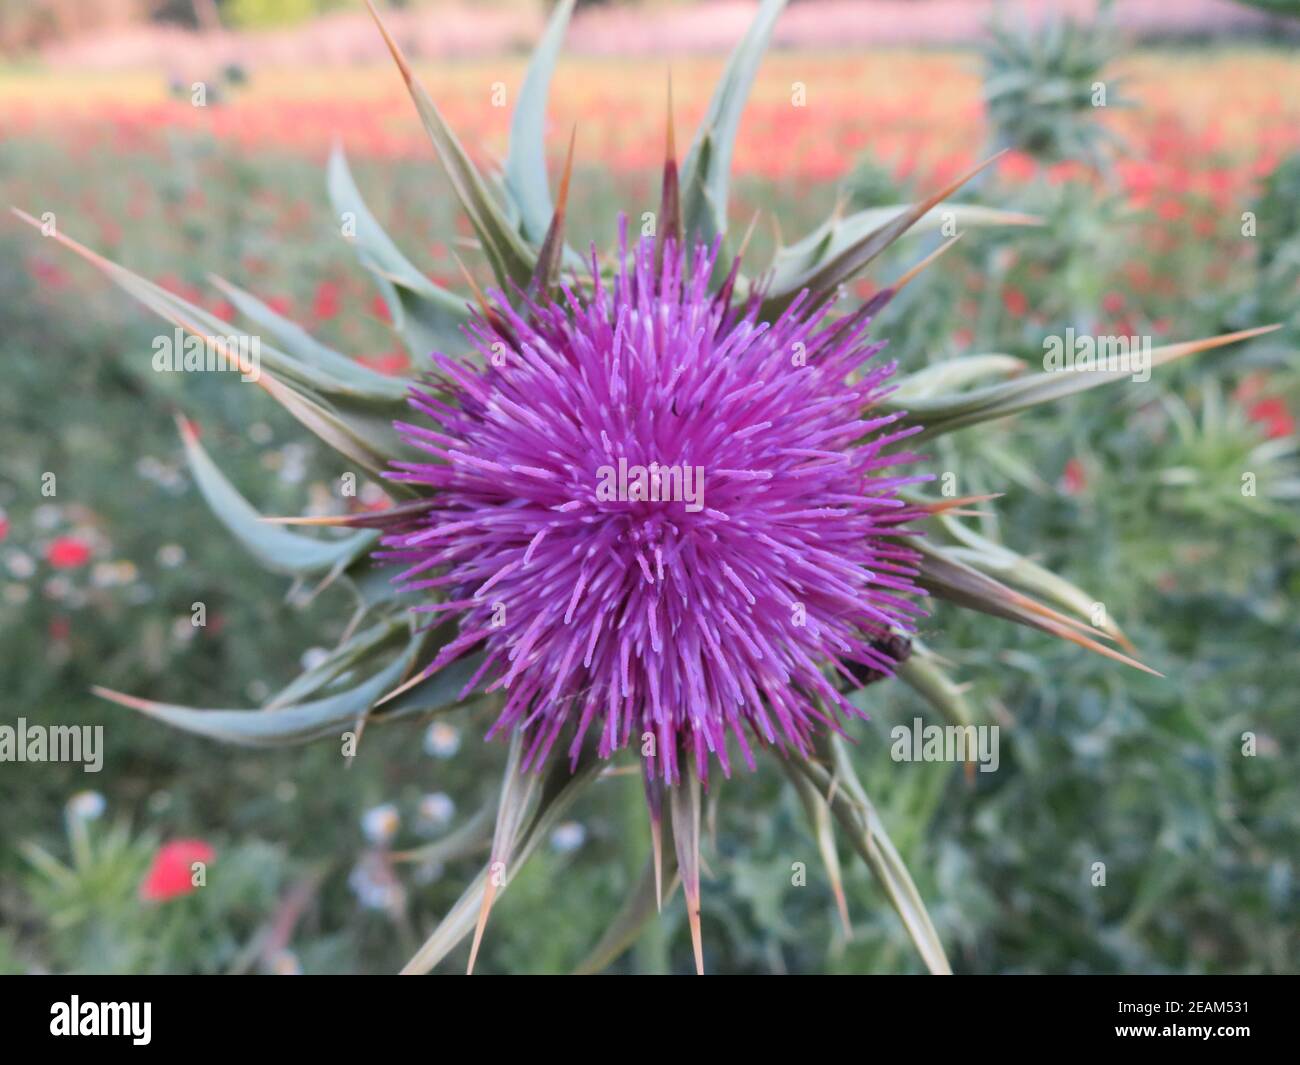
x: 666, y: 523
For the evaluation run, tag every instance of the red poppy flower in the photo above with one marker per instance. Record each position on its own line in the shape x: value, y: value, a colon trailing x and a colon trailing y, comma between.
x: 326, y: 303
x: 171, y: 873
x: 1074, y: 480
x: 50, y: 275
x: 1273, y: 415
x: 1017, y: 166
x: 391, y: 363
x: 67, y: 552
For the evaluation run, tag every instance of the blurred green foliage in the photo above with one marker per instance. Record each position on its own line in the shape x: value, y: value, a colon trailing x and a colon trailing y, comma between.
x: 266, y: 14
x: 1045, y: 86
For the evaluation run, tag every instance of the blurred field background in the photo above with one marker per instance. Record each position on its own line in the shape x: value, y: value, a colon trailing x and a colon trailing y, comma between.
x: 1134, y: 493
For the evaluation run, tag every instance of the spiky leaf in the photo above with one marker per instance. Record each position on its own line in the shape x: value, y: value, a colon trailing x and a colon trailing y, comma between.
x: 706, y: 173
x: 426, y: 316
x: 276, y: 547
x: 511, y: 257
x: 525, y: 171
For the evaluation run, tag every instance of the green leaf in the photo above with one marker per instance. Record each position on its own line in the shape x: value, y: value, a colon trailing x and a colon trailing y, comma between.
x: 276, y: 547
x: 999, y: 561
x: 835, y: 263
x: 426, y: 316
x: 525, y: 171
x: 819, y: 820
x: 943, y: 573
x: 561, y: 790
x: 380, y: 637
x: 285, y: 726
x: 796, y: 266
x: 924, y: 675
x: 472, y: 835
x: 511, y: 257
x: 638, y: 908
x: 359, y: 379
x: 943, y: 414
x: 706, y: 172
x: 365, y: 437
x: 843, y: 792
x: 329, y: 716
x: 44, y: 862
x: 941, y: 377
x: 355, y: 424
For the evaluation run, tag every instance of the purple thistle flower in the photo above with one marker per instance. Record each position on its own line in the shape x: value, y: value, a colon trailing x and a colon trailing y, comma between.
x: 659, y: 517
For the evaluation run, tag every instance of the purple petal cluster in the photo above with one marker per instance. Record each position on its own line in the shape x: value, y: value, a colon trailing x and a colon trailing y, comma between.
x: 674, y: 622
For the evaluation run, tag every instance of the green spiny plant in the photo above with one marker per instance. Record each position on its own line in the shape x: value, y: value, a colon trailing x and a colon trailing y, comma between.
x: 685, y: 634
x: 1044, y: 89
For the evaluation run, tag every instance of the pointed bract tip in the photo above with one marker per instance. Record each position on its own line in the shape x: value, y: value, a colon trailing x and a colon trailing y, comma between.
x: 475, y: 291
x: 189, y: 432
x: 841, y: 205
x: 953, y: 186
x: 944, y: 506
x: 75, y: 246
x: 670, y: 144
x: 749, y: 233
x: 562, y: 201
x: 1084, y: 640
x: 405, y: 686
x: 133, y: 702
x: 316, y: 519
x: 841, y: 904
x: 489, y: 894
x: 684, y: 806
x: 697, y: 940
x: 395, y: 51
x: 1122, y: 639
x: 916, y: 270
x: 1222, y: 340
x: 657, y: 850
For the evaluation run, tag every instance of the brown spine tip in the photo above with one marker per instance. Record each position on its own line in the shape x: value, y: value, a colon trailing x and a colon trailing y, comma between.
x: 395, y: 51
x: 697, y: 942
x: 684, y: 804
x: 551, y: 253
x: 841, y: 903
x: 562, y: 201
x: 943, y: 506
x: 654, y: 800
x: 188, y: 430
x: 670, y: 202
x: 912, y: 274
x: 489, y: 894
x: 670, y: 154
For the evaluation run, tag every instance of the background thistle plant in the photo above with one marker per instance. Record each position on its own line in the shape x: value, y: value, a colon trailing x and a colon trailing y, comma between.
x: 1045, y: 88
x: 352, y: 410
